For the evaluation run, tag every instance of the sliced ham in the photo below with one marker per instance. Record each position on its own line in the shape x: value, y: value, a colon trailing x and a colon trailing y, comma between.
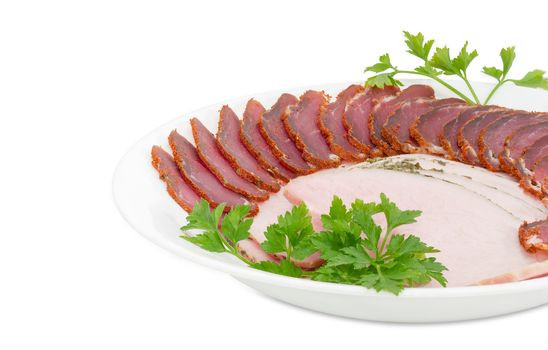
x: 535, y: 152
x: 232, y: 148
x: 463, y: 244
x: 396, y: 130
x: 256, y: 145
x: 492, y: 138
x: 211, y: 156
x: 252, y: 251
x: 534, y: 236
x: 449, y: 136
x: 273, y: 130
x: 427, y: 129
x: 385, y: 108
x: 302, y: 124
x: 332, y: 127
x: 178, y: 189
x: 517, y: 143
x: 204, y: 183
x: 356, y: 118
x: 468, y: 135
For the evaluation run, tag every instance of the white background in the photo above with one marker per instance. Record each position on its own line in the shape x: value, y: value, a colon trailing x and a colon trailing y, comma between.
x: 81, y: 81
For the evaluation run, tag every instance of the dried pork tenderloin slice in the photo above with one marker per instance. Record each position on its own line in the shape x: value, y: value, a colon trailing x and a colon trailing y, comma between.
x: 449, y: 136
x: 385, y: 108
x: 426, y: 130
x: 396, y: 130
x: 492, y: 138
x: 468, y: 135
x: 535, y: 152
x: 243, y: 162
x: 178, y: 189
x: 270, y: 210
x: 204, y: 183
x: 534, y: 236
x: 332, y: 127
x: 254, y: 142
x: 517, y: 143
x: 537, y: 182
x: 211, y: 156
x: 356, y: 118
x: 272, y: 129
x: 302, y: 124
x: 476, y: 232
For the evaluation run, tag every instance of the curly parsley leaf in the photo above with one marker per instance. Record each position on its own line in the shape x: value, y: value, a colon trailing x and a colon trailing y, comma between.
x: 285, y: 267
x: 533, y: 79
x: 417, y: 46
x: 207, y: 220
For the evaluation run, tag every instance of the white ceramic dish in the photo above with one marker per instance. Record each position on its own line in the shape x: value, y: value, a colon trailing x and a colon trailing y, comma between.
x: 144, y: 203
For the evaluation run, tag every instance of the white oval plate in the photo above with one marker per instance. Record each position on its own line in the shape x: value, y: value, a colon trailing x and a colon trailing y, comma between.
x: 143, y: 201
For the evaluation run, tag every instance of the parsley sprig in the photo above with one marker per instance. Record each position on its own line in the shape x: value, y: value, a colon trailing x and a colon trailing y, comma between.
x: 355, y: 248
x: 440, y: 63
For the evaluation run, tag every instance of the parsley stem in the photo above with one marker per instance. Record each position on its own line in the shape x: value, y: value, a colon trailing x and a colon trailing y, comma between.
x: 492, y: 93
x: 447, y: 85
x: 465, y: 78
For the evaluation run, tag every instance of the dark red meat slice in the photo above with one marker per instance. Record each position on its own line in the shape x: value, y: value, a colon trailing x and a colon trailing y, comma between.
x: 302, y: 125
x: 211, y: 156
x: 332, y: 127
x: 385, y: 108
x: 177, y: 188
x: 396, y: 130
x: 534, y: 236
x: 536, y: 181
x: 273, y: 130
x: 204, y: 183
x: 535, y: 152
x: 468, y: 135
x: 449, y: 136
x: 243, y: 162
x: 356, y: 118
x: 426, y: 130
x: 492, y: 138
x: 517, y: 143
x: 256, y: 145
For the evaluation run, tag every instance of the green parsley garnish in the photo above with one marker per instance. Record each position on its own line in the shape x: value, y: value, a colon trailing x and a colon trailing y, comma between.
x: 356, y: 250
x: 440, y: 63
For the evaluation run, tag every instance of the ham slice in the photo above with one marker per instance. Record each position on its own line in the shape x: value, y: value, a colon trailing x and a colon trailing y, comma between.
x: 177, y: 188
x: 468, y: 135
x: 385, y: 108
x: 463, y: 244
x: 332, y: 127
x: 356, y: 118
x: 396, y: 130
x: 534, y: 236
x: 428, y: 128
x: 535, y: 152
x: 273, y: 130
x: 211, y: 156
x: 257, y: 146
x: 302, y: 124
x: 252, y: 251
x: 449, y: 136
x: 232, y: 148
x: 517, y: 143
x: 492, y: 138
x: 202, y: 181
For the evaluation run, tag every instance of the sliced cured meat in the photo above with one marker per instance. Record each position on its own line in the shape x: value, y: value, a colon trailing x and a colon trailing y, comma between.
x: 302, y: 124
x: 492, y: 138
x: 535, y: 270
x: 256, y: 145
x: 332, y: 127
x: 530, y: 156
x: 449, y: 136
x: 462, y: 246
x: 243, y: 162
x: 273, y: 130
x: 536, y: 182
x: 214, y: 160
x: 177, y: 188
x: 356, y: 118
x: 204, y: 183
x: 427, y: 129
x: 517, y: 143
x: 534, y: 236
x: 385, y: 108
x: 396, y: 129
x: 468, y: 135
x: 253, y: 252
